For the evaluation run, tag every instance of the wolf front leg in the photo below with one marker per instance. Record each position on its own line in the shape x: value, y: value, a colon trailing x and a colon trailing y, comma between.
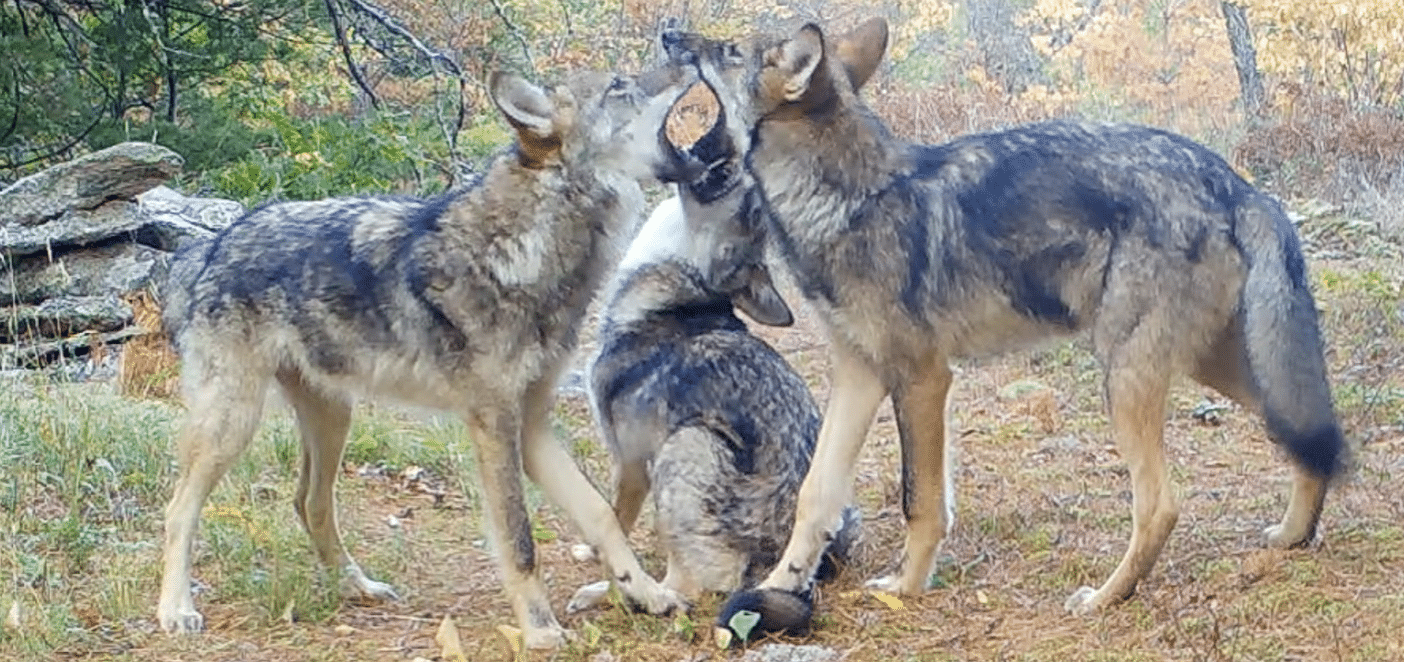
x: 496, y: 444
x: 784, y: 600
x: 551, y: 468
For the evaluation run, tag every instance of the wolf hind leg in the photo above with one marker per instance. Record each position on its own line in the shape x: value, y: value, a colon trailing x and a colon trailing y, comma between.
x: 927, y: 492
x: 1137, y: 385
x: 1224, y: 368
x: 223, y: 412
x: 323, y: 423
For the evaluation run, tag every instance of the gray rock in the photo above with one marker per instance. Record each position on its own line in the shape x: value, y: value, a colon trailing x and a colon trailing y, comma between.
x: 29, y: 355
x: 174, y: 219
x: 74, y: 227
x: 792, y: 653
x: 113, y: 269
x: 117, y: 173
x: 61, y: 317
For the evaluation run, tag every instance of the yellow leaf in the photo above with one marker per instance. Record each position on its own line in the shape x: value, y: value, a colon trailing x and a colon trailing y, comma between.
x: 447, y: 638
x: 981, y: 597
x: 850, y: 595
x: 343, y: 630
x: 893, y: 602
x: 12, y: 620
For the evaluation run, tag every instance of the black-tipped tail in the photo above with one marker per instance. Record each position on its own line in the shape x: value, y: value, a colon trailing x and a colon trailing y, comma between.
x: 779, y: 612
x: 1284, y: 344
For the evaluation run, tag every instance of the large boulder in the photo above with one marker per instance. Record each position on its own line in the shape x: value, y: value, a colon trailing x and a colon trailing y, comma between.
x: 174, y: 219
x: 113, y: 268
x: 82, y: 201
x: 61, y: 317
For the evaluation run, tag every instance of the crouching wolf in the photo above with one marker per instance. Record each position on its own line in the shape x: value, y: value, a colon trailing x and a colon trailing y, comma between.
x: 468, y: 303
x: 915, y: 254
x: 694, y: 407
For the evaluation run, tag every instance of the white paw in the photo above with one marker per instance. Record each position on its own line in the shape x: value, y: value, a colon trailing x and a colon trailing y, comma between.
x: 546, y: 638
x: 583, y: 553
x: 1277, y: 537
x: 588, y: 597
x: 1082, y: 601
x: 183, y: 620
x: 659, y: 600
x: 886, y: 584
x: 355, y: 581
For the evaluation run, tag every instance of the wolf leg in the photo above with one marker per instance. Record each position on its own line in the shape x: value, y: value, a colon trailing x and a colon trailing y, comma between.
x: 551, y: 468
x: 631, y: 487
x: 223, y: 414
x: 496, y: 445
x: 1136, y: 389
x: 322, y: 424
x: 927, y: 491
x: 1224, y: 368
x: 784, y: 599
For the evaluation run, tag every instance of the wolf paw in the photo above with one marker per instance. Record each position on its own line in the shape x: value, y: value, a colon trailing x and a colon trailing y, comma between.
x: 1278, y: 537
x: 895, y: 584
x: 583, y: 553
x: 546, y: 638
x: 588, y: 597
x: 181, y: 621
x: 659, y: 602
x: 356, y: 583
x: 1082, y: 602
x: 774, y: 611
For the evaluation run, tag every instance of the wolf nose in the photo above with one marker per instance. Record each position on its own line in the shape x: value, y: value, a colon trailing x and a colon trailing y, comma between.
x: 671, y: 38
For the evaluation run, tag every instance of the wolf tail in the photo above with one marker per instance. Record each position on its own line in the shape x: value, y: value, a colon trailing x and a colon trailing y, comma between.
x: 1283, y: 338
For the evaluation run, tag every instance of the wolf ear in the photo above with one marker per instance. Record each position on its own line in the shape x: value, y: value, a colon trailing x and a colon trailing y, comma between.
x: 861, y: 49
x: 799, y: 58
x: 525, y: 106
x: 761, y: 302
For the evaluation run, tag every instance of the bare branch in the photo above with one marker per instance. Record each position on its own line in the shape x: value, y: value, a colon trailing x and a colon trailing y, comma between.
x: 388, y: 22
x: 516, y: 32
x: 351, y: 66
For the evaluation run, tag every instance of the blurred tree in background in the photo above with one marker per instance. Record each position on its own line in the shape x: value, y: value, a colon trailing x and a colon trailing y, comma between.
x: 307, y: 98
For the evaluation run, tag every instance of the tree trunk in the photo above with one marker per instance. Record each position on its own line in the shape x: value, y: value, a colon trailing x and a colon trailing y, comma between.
x: 1245, y: 57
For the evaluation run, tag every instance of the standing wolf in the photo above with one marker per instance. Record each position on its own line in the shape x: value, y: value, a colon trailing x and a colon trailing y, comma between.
x: 469, y: 303
x: 692, y: 406
x: 916, y: 254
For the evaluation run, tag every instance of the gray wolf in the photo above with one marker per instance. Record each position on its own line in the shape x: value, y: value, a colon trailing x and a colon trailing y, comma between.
x: 692, y: 406
x: 468, y: 303
x: 915, y: 254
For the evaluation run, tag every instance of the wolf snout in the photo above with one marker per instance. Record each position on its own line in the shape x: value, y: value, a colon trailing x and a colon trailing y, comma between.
x: 674, y: 43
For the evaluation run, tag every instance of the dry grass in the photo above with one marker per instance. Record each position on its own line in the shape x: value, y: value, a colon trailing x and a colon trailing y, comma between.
x: 149, y: 366
x: 1043, y: 507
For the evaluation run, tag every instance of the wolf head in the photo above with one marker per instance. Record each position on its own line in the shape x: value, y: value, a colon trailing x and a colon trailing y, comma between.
x: 768, y: 77
x: 722, y: 241
x: 606, y: 122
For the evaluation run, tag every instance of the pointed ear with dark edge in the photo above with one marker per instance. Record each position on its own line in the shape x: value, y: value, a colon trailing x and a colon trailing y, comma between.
x: 861, y: 49
x: 799, y: 58
x: 761, y: 302
x: 525, y: 106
